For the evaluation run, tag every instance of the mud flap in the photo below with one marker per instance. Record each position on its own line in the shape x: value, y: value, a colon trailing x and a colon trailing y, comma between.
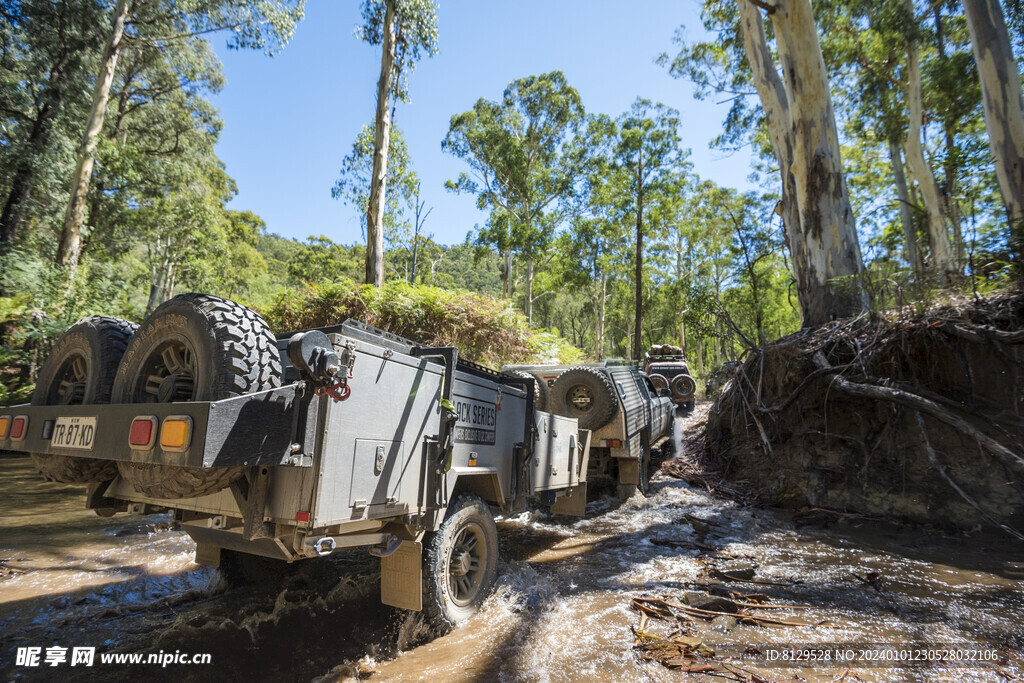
x: 573, y: 502
x: 629, y: 471
x: 208, y: 555
x: 401, y: 577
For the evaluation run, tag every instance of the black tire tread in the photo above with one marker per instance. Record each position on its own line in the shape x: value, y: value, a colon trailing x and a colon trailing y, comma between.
x: 246, y: 360
x: 659, y: 381
x: 433, y: 548
x: 678, y: 381
x: 114, y: 335
x: 606, y: 399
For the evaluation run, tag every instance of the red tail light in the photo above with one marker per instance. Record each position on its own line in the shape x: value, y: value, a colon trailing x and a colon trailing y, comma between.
x: 142, y: 433
x: 19, y: 427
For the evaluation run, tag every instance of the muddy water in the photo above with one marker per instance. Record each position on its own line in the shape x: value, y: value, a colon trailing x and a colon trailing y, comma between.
x: 560, y: 611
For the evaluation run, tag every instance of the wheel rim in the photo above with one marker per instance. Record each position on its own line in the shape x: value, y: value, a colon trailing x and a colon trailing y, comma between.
x: 467, y: 562
x: 70, y: 381
x: 581, y: 398
x: 168, y: 374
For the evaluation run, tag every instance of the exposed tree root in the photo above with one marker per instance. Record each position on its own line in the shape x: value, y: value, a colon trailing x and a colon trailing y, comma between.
x: 829, y: 417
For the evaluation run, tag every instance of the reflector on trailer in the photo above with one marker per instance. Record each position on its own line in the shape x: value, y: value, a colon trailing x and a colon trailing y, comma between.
x: 5, y: 424
x: 142, y: 434
x: 301, y: 516
x: 613, y: 443
x: 19, y: 427
x: 176, y: 432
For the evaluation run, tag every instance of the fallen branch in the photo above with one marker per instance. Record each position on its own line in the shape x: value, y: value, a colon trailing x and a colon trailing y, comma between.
x: 880, y: 393
x: 742, y: 616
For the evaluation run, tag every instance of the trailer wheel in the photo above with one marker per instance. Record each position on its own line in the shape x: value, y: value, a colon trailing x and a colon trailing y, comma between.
x: 460, y: 562
x: 80, y: 370
x: 540, y: 387
x: 586, y: 394
x: 195, y: 347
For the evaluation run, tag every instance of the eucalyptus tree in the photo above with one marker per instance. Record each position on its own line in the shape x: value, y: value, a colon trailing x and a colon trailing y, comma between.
x: 263, y: 24
x: 355, y: 185
x: 47, y: 51
x: 406, y: 30
x: 649, y: 157
x: 1004, y: 111
x: 523, y: 167
x: 796, y: 119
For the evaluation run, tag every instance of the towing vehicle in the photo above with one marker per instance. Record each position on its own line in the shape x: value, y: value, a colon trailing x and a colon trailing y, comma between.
x: 291, y: 447
x: 626, y: 413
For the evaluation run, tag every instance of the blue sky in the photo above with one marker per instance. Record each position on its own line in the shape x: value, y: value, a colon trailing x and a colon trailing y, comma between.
x: 290, y: 119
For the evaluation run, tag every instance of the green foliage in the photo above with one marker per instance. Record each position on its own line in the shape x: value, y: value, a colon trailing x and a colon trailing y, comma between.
x: 522, y: 167
x: 483, y: 328
x: 324, y: 261
x: 353, y: 187
x: 415, y: 34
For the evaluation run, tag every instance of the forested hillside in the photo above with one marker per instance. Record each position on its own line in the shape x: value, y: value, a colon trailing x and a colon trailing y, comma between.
x: 599, y: 228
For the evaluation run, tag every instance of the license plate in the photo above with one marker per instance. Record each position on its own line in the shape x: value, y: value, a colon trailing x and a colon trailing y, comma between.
x: 74, y: 432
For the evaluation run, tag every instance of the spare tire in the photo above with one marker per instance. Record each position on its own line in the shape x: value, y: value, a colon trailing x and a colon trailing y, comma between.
x: 659, y: 381
x: 540, y: 388
x: 80, y: 370
x: 195, y: 347
x: 683, y: 386
x: 585, y: 393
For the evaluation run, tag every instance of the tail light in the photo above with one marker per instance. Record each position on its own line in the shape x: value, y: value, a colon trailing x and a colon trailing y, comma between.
x: 19, y: 428
x: 142, y: 434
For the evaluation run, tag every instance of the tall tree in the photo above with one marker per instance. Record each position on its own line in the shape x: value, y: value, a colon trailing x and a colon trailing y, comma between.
x: 649, y: 155
x: 522, y: 165
x: 356, y: 182
x: 405, y: 30
x: 47, y: 51
x: 1004, y: 111
x: 943, y: 261
x: 265, y: 25
x: 819, y: 220
x: 796, y: 125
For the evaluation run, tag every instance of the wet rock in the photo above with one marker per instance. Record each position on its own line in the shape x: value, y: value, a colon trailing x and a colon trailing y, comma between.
x: 720, y: 589
x: 723, y: 624
x: 699, y: 526
x: 740, y: 570
x: 712, y: 603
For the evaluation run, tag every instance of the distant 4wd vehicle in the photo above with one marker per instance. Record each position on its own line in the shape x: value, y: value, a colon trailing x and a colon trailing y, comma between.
x: 667, y: 368
x: 626, y: 413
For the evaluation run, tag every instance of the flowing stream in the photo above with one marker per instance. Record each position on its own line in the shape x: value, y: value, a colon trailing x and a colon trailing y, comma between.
x: 560, y: 610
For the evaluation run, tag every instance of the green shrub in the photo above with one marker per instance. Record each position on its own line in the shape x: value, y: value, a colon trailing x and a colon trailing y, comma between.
x: 484, y: 329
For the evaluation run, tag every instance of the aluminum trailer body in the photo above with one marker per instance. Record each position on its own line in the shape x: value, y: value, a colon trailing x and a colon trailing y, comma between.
x: 377, y: 465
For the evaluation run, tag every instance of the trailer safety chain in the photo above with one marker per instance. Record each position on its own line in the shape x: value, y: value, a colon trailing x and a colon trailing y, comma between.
x: 332, y: 391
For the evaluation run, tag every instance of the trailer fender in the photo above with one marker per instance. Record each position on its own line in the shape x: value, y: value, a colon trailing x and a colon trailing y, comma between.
x: 482, y: 481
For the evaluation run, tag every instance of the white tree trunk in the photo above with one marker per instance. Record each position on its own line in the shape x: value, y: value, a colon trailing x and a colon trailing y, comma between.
x: 70, y: 245
x: 906, y: 212
x: 819, y: 221
x: 528, y: 298
x: 943, y: 262
x: 1004, y: 108
x: 381, y: 142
